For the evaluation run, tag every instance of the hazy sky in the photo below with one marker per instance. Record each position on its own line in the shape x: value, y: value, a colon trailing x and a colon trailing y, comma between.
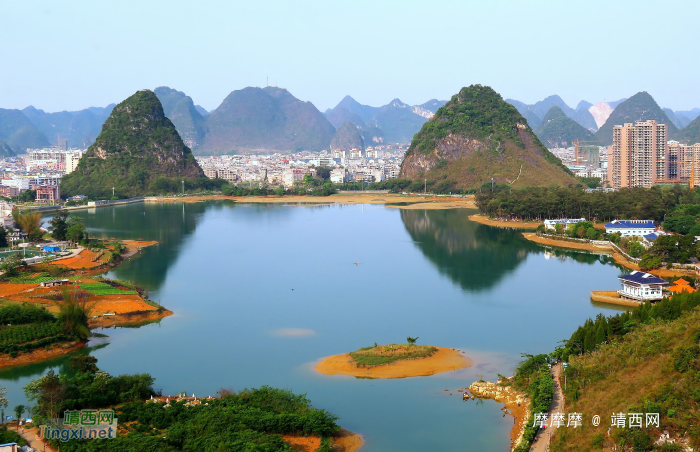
x: 69, y: 55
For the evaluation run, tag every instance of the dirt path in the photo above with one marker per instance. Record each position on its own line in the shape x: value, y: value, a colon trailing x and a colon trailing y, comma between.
x: 542, y: 440
x: 533, y: 237
x: 30, y: 436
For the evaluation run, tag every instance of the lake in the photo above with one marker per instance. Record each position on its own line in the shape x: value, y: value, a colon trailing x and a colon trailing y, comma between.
x: 261, y: 292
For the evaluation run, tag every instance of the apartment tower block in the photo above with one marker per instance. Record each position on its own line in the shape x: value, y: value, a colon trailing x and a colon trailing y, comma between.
x: 639, y: 156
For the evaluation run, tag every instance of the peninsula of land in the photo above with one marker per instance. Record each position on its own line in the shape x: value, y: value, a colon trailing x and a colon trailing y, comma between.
x: 394, y: 361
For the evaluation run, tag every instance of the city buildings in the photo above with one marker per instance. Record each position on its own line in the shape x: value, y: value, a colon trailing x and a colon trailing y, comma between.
x: 374, y: 165
x: 639, y: 155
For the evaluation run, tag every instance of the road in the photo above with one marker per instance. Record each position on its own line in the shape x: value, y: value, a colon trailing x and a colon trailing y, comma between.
x: 541, y: 443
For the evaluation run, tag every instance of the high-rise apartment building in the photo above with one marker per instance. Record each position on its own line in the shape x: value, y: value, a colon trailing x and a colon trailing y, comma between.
x: 683, y: 161
x: 639, y: 156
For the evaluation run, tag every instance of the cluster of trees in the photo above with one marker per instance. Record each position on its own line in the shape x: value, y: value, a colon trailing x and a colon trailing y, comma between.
x: 539, y: 203
x: 582, y: 230
x: 72, y: 229
x: 248, y: 420
x: 532, y: 376
x: 88, y: 388
x: 29, y: 222
x: 604, y: 329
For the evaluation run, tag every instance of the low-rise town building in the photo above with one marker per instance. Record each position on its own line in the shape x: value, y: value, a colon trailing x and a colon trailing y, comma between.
x: 566, y: 222
x: 642, y: 287
x: 630, y: 228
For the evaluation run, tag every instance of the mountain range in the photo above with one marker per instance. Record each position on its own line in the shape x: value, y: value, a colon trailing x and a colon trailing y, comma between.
x: 272, y: 119
x: 137, y: 151
x: 395, y: 122
x: 476, y: 138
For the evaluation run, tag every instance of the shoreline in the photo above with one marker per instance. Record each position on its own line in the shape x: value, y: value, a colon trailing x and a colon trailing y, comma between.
x: 40, y: 354
x: 444, y: 360
x: 483, y: 219
x: 662, y: 272
x: 517, y: 404
x: 411, y: 201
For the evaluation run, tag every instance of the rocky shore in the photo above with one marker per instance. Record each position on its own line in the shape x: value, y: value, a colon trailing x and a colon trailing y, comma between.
x: 517, y: 403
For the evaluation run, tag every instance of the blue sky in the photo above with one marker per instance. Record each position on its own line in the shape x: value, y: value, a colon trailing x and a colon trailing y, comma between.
x: 69, y: 55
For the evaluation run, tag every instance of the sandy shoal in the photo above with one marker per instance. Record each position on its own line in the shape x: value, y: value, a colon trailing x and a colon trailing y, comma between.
x: 133, y: 246
x: 444, y: 360
x: 414, y: 202
x: 483, y: 219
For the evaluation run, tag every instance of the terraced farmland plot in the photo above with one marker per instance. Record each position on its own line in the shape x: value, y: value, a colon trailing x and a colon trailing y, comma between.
x: 105, y: 289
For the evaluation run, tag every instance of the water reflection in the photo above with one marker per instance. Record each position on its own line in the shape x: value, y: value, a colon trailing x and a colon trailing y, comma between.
x: 473, y: 255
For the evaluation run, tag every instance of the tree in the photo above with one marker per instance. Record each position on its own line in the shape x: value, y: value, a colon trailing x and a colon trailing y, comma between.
x: 12, y: 264
x: 3, y: 237
x: 76, y: 232
x: 19, y: 410
x: 84, y: 363
x: 3, y: 399
x: 59, y: 225
x: 74, y: 312
x: 29, y: 222
x: 411, y: 340
x: 27, y: 196
x: 49, y: 392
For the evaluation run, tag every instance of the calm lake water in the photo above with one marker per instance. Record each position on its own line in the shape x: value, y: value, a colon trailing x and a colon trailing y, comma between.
x: 262, y: 292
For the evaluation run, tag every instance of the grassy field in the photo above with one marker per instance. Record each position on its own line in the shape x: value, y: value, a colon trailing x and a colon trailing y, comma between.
x: 387, y: 354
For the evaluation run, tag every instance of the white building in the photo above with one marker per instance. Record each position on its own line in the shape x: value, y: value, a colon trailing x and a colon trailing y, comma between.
x: 566, y: 222
x: 20, y: 183
x: 629, y: 228
x: 642, y: 286
x: 338, y: 175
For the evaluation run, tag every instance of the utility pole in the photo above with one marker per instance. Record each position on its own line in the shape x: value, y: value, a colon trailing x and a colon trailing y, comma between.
x: 492, y: 184
x: 183, y: 187
x: 425, y: 186
x: 112, y: 192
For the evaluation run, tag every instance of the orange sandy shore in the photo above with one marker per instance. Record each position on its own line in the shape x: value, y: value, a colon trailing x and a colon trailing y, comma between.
x: 416, y: 202
x: 39, y: 354
x: 444, y: 360
x: 483, y: 219
x: 344, y: 441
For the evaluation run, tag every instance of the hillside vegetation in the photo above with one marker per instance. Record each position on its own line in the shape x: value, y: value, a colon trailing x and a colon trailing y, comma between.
x: 646, y: 361
x: 558, y: 130
x: 477, y: 137
x: 137, y: 148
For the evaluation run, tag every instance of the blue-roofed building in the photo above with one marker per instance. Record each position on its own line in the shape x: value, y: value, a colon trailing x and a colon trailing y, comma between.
x: 9, y: 447
x: 629, y: 228
x: 641, y: 286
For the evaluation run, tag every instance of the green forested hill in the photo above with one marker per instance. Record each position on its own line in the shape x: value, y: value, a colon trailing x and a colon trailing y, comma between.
x: 137, y: 146
x: 19, y: 132
x: 640, y: 107
x: 558, y: 130
x: 477, y: 136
